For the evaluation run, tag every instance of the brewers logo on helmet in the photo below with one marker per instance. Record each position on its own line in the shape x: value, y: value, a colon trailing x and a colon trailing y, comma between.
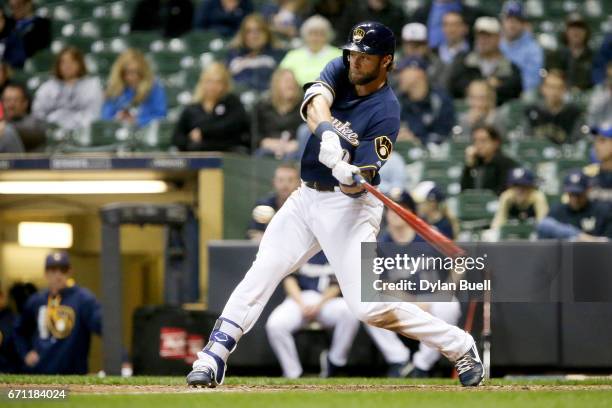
x: 370, y: 37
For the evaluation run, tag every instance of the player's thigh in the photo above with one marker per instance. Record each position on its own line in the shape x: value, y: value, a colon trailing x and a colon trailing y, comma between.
x: 285, y: 317
x: 288, y: 241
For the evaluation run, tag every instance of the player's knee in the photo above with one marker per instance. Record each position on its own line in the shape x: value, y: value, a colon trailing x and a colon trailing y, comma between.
x: 373, y: 315
x: 274, y: 326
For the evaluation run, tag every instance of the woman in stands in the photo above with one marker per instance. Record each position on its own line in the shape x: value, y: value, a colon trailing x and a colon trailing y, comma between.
x: 482, y: 111
x: 278, y: 117
x: 216, y: 120
x: 308, y: 61
x: 70, y: 99
x: 254, y: 56
x: 133, y: 95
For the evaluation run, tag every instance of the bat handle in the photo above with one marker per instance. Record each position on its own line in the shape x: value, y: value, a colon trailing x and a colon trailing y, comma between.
x: 359, y: 178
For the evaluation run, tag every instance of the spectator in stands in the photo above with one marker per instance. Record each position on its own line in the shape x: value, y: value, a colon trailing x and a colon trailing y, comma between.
x: 600, y: 103
x: 70, y: 99
x: 431, y: 206
x: 553, y: 118
x: 519, y: 46
x: 253, y: 57
x: 5, y: 79
x: 601, y: 173
x: 286, y: 180
x: 455, y: 42
x: 522, y: 202
x: 486, y: 166
x: 427, y: 114
x: 414, y: 45
x: 487, y: 62
x: 216, y: 120
x: 308, y: 61
x: 278, y: 117
x: 53, y: 334
x: 393, y: 175
x: 574, y: 57
x: 579, y: 219
x: 29, y: 33
x: 433, y: 12
x: 133, y: 95
x: 222, y: 16
x: 602, y: 59
x: 172, y: 18
x: 31, y: 130
x: 8, y: 361
x: 284, y: 16
x: 332, y: 10
x: 383, y: 11
x: 481, y: 108
x: 9, y: 139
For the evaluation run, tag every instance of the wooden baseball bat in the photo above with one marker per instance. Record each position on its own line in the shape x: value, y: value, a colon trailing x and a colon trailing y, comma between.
x: 438, y: 240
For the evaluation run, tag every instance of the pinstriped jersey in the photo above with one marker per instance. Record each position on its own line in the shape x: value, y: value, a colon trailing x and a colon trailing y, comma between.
x: 367, y: 125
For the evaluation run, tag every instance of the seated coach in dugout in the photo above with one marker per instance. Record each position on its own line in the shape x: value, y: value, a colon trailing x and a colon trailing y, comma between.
x: 53, y: 334
x: 577, y: 218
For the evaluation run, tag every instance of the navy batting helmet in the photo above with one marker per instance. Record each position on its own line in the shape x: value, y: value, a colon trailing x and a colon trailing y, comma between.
x: 370, y: 37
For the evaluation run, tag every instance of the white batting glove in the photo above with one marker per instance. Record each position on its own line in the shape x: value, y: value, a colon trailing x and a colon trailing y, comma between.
x: 331, y: 151
x: 343, y: 172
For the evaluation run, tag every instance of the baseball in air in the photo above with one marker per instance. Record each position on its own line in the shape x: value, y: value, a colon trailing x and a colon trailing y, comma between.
x: 263, y: 214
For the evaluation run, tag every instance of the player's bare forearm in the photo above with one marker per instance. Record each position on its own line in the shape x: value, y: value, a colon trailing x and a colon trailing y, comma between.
x: 318, y: 111
x: 293, y: 289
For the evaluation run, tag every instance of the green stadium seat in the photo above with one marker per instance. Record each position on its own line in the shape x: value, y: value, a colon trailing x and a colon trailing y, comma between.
x: 516, y: 232
x: 535, y: 150
x: 141, y: 39
x: 564, y: 166
x: 410, y: 151
x: 166, y: 62
x: 104, y: 133
x: 441, y: 170
x: 157, y: 136
x: 42, y: 61
x: 102, y: 62
x: 202, y: 41
x: 476, y: 208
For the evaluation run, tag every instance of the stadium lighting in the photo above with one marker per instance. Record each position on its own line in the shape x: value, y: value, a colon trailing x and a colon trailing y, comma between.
x: 84, y: 187
x: 44, y: 234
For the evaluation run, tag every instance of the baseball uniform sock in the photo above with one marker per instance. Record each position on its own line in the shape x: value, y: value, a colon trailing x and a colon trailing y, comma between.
x: 222, y: 342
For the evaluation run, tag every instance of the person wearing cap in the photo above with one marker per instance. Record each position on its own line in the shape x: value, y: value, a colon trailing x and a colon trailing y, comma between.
x: 414, y: 45
x: 431, y: 207
x: 552, y: 117
x: 578, y: 218
x: 399, y: 238
x: 601, y: 173
x: 427, y: 113
x: 519, y: 46
x: 522, y: 201
x: 574, y: 57
x: 486, y: 166
x: 486, y: 62
x: 53, y: 334
x: 599, y: 108
x: 432, y: 14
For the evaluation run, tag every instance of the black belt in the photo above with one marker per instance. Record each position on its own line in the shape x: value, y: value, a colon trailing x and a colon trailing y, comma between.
x: 315, y: 185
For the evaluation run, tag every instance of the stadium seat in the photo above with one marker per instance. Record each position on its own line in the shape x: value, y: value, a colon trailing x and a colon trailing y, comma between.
x: 104, y: 133
x: 535, y: 150
x: 202, y: 41
x: 516, y: 232
x: 141, y: 39
x: 156, y: 137
x: 476, y: 208
x: 410, y: 151
x: 40, y: 62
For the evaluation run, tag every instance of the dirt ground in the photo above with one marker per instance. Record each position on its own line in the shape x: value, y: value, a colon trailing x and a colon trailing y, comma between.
x: 161, y: 389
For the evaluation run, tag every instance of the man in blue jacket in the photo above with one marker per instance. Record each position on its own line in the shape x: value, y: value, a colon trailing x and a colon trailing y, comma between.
x: 519, y: 46
x: 53, y: 334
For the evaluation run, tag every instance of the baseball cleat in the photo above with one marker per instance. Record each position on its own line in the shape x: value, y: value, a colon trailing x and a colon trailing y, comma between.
x: 470, y: 368
x: 328, y: 369
x: 203, y: 377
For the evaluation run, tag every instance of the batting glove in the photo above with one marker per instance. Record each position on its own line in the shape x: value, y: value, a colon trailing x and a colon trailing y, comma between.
x: 343, y: 172
x: 331, y: 151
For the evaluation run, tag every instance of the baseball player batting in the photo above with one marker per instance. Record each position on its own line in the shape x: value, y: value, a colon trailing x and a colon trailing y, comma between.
x: 354, y: 117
